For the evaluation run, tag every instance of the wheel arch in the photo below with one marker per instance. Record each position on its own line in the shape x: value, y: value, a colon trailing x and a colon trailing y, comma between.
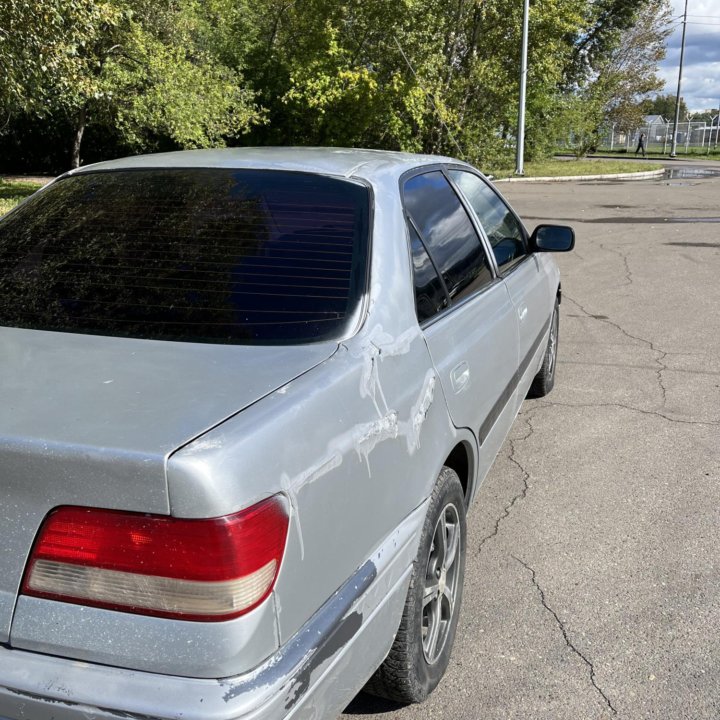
x: 462, y: 460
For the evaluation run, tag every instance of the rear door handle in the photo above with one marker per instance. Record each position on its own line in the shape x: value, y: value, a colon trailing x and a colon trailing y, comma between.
x: 522, y: 312
x: 459, y: 377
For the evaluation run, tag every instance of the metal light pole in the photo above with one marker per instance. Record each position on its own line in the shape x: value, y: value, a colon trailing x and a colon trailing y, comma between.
x: 673, y: 150
x: 520, y: 164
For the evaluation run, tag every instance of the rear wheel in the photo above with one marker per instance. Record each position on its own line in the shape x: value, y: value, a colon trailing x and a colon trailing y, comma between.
x: 544, y: 381
x: 421, y: 651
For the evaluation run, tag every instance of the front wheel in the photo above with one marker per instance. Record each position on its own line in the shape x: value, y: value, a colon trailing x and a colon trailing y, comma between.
x: 421, y: 651
x: 544, y: 381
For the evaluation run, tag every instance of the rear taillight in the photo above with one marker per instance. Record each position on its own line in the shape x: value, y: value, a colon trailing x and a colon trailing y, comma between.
x: 207, y: 570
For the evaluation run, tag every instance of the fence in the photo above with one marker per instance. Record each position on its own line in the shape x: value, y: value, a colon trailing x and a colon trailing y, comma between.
x: 658, y: 137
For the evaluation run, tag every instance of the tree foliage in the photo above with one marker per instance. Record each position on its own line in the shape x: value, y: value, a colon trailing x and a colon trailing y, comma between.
x: 414, y: 75
x: 422, y: 75
x: 664, y: 105
x: 616, y: 77
x: 139, y: 66
x: 39, y: 40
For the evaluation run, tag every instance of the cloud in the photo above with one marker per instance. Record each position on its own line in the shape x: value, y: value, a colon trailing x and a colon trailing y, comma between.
x: 701, y: 65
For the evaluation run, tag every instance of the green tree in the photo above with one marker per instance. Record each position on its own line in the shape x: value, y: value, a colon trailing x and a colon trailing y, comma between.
x: 331, y: 73
x: 38, y: 39
x: 604, y: 23
x: 415, y: 75
x: 626, y: 71
x: 664, y: 105
x: 419, y: 75
x: 139, y: 66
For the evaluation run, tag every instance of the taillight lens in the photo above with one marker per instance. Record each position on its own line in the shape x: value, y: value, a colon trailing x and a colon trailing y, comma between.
x: 208, y: 570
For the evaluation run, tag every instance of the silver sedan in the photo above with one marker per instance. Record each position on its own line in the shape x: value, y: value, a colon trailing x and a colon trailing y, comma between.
x: 247, y: 398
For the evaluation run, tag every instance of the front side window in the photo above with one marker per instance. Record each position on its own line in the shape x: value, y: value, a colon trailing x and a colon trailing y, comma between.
x: 194, y: 254
x: 447, y: 234
x: 502, y: 228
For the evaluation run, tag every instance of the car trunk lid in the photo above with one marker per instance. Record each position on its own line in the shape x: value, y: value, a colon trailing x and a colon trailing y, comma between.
x: 90, y: 420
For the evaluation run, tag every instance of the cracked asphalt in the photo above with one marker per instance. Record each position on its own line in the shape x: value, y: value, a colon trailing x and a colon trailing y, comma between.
x: 592, y: 583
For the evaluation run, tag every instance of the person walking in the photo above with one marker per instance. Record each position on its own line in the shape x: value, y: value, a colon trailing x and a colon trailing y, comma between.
x: 641, y: 145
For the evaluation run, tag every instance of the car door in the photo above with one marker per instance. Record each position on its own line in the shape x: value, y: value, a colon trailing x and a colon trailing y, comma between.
x: 523, y: 272
x: 465, y: 311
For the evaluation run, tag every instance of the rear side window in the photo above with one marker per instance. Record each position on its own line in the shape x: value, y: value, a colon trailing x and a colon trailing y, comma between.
x: 199, y: 255
x: 430, y: 297
x: 447, y: 233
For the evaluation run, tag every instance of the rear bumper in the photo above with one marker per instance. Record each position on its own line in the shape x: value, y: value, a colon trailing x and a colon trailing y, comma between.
x: 313, y: 675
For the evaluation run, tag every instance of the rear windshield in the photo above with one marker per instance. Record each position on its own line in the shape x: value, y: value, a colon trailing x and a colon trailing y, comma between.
x: 199, y: 255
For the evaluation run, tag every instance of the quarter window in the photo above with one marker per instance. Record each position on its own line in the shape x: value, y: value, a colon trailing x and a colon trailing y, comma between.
x: 502, y: 228
x: 430, y: 297
x: 447, y: 233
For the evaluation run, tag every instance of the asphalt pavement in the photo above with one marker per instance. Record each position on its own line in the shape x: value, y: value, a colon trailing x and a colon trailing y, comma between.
x: 592, y: 586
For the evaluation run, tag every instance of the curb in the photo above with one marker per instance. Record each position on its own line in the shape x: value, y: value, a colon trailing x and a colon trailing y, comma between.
x: 584, y: 178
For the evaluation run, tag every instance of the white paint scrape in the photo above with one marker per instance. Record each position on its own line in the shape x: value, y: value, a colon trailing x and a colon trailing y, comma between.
x: 420, y: 410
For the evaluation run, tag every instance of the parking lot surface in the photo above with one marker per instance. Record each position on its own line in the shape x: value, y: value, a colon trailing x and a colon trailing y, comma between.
x: 593, y: 564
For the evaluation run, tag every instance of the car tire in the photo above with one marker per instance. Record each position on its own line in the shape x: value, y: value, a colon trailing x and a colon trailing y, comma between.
x: 544, y: 381
x: 421, y: 651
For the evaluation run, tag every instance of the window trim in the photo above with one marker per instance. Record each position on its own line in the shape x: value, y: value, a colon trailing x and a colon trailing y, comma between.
x: 460, y: 304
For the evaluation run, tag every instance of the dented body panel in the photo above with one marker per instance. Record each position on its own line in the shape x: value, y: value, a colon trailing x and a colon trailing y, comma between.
x: 353, y: 432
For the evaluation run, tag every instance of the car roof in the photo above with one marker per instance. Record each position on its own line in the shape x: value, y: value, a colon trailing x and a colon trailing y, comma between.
x: 347, y: 162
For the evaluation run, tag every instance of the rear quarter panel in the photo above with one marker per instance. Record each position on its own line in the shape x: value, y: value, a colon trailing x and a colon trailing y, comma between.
x: 355, y: 444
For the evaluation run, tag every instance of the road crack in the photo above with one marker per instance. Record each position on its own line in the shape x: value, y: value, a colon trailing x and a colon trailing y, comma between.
x: 568, y: 642
x: 661, y: 354
x: 655, y: 413
x: 525, y: 476
x: 628, y: 272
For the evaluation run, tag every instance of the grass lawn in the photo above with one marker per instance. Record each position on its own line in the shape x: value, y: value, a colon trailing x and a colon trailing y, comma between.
x: 564, y: 168
x: 13, y: 191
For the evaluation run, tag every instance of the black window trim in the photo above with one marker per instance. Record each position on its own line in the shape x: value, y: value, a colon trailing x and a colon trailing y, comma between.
x: 509, y: 269
x: 496, y: 278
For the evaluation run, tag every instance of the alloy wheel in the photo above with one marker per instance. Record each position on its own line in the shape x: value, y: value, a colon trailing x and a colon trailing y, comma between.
x: 441, y: 583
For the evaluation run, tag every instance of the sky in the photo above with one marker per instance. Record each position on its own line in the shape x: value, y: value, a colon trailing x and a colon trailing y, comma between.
x: 701, y: 66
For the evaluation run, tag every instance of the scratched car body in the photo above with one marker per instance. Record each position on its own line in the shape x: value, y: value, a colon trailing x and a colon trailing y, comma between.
x: 247, y: 397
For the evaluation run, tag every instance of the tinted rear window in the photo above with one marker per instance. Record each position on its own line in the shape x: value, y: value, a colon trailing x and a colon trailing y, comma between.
x: 200, y: 255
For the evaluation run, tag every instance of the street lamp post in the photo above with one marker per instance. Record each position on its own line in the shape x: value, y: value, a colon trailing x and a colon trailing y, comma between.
x: 673, y: 150
x: 520, y: 164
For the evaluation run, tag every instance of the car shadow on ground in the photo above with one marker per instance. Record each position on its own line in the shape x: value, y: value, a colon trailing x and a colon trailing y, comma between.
x: 365, y: 704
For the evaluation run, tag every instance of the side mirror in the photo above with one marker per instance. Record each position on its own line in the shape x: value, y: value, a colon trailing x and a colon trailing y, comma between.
x: 553, y: 238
